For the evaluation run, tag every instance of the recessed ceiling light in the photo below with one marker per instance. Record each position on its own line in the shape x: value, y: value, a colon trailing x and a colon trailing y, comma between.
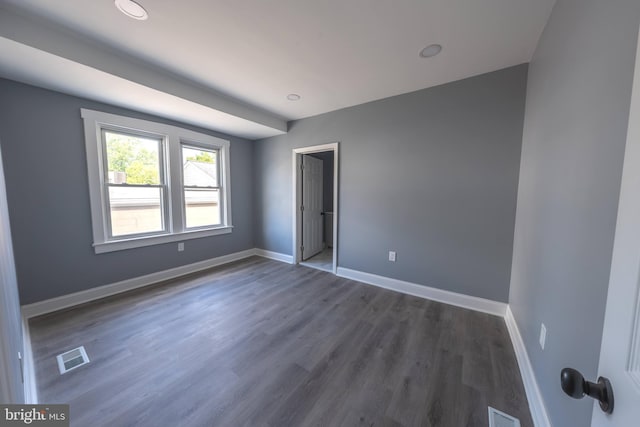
x: 132, y: 9
x: 431, y: 50
x: 293, y: 97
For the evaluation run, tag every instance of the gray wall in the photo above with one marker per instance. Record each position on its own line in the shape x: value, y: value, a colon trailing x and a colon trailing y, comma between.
x: 430, y: 174
x: 574, y: 136
x: 45, y: 165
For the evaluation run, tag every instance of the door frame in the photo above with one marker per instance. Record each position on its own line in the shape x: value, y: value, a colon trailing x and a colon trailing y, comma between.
x: 296, y: 176
x: 13, y: 390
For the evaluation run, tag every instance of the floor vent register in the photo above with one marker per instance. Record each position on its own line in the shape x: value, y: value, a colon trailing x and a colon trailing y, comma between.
x: 500, y: 419
x: 72, y: 359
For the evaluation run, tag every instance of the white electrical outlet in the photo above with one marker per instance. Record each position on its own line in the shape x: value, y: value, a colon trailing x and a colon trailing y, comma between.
x: 180, y: 247
x: 392, y: 256
x: 543, y: 335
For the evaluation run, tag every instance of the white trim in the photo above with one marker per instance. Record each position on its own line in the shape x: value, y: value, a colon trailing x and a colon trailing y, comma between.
x: 70, y: 300
x: 148, y: 126
x: 118, y: 245
x: 276, y: 256
x: 296, y: 157
x: 66, y: 301
x: 11, y: 336
x: 620, y: 336
x: 332, y: 146
x: 172, y: 138
x: 77, y: 298
x: 296, y: 187
x: 30, y: 385
x: 473, y: 303
x: 538, y: 411
x: 534, y: 396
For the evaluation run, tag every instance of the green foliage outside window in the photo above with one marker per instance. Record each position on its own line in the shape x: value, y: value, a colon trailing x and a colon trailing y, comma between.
x: 203, y: 157
x: 136, y: 157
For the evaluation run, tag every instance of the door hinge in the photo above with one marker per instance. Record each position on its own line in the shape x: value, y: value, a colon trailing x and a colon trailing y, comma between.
x: 302, y: 208
x: 302, y: 166
x: 301, y: 248
x: 21, y: 366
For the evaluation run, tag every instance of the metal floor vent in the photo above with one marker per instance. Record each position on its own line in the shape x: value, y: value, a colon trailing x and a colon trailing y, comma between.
x: 500, y: 419
x: 72, y: 359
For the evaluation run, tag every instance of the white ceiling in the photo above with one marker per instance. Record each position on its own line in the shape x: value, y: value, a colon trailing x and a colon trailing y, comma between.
x: 252, y: 53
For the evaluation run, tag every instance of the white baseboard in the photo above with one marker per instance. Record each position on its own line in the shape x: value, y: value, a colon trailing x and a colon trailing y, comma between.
x: 274, y: 255
x: 28, y: 367
x: 534, y: 396
x: 447, y: 297
x: 536, y: 405
x: 70, y: 300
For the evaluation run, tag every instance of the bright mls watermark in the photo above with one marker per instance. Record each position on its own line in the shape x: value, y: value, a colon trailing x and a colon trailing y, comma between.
x: 34, y: 415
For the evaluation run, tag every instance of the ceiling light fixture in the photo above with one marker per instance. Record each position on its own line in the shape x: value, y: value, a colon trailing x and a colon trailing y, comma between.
x: 293, y: 97
x: 132, y: 9
x: 431, y: 50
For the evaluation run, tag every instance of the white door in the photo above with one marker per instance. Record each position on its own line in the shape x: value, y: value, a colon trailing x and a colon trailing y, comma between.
x: 11, y: 387
x: 311, y: 206
x: 620, y: 352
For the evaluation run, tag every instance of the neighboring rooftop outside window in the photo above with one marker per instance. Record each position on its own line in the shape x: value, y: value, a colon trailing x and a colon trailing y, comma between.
x: 135, y: 190
x: 201, y: 191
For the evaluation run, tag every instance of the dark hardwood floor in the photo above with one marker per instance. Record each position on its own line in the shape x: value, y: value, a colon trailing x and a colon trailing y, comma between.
x: 262, y: 343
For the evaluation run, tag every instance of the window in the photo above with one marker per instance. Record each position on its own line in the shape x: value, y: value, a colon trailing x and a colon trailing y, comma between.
x: 201, y: 192
x: 135, y: 184
x: 153, y: 183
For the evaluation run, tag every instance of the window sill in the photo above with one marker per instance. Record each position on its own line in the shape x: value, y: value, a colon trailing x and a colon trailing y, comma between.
x: 138, y: 242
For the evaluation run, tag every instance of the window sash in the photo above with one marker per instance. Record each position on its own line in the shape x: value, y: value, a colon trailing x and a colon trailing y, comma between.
x: 162, y: 173
x: 163, y: 212
x: 213, y: 190
x: 161, y: 140
x: 196, y: 187
x: 219, y: 187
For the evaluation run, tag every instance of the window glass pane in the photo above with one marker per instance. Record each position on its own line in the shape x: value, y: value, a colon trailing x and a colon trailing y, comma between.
x: 132, y: 159
x: 135, y: 210
x: 200, y: 167
x: 202, y: 207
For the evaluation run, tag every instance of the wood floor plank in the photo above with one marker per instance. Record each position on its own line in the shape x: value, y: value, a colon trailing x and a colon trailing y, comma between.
x: 265, y: 344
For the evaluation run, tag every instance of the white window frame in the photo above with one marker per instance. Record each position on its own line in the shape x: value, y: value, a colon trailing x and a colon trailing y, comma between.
x: 197, y: 146
x: 173, y: 139
x: 163, y: 178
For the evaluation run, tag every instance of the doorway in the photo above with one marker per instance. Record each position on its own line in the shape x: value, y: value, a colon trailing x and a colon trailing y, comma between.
x: 315, y: 206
